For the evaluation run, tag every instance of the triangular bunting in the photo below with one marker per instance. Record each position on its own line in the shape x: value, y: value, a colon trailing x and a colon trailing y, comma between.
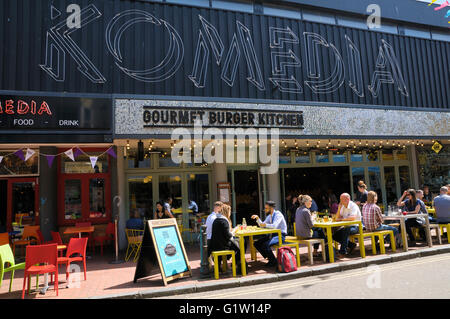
x: 1, y: 159
x: 77, y: 152
x: 69, y: 154
x: 93, y: 160
x: 29, y: 154
x: 19, y: 154
x: 111, y: 152
x: 50, y: 159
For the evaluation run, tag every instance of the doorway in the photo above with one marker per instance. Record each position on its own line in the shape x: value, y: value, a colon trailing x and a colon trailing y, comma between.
x: 3, y: 204
x: 246, y: 195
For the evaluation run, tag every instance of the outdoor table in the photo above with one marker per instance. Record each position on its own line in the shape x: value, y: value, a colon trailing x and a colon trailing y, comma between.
x: 402, y: 219
x: 329, y: 225
x: 79, y: 230
x: 431, y: 211
x: 250, y: 233
x: 45, y: 288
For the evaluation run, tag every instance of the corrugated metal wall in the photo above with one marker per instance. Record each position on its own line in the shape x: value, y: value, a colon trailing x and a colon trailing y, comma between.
x: 24, y: 24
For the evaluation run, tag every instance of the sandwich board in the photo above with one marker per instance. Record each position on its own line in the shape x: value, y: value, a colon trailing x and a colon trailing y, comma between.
x: 162, y: 244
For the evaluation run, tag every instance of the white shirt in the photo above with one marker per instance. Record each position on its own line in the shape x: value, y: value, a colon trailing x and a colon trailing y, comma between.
x: 209, y: 222
x: 351, y: 211
x: 275, y: 220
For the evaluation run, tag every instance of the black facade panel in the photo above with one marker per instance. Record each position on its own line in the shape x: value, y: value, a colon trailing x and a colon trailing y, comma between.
x: 131, y: 47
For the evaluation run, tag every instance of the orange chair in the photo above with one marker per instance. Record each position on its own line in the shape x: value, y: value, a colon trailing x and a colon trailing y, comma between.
x: 40, y: 254
x: 29, y: 236
x: 109, y: 235
x: 4, y: 239
x: 76, y: 246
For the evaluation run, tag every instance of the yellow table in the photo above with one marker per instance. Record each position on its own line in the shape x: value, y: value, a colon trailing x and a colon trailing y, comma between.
x: 329, y: 225
x: 250, y: 233
x: 431, y: 211
x: 179, y: 210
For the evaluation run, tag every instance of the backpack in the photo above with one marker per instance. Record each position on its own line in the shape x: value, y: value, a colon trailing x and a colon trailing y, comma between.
x: 286, y: 260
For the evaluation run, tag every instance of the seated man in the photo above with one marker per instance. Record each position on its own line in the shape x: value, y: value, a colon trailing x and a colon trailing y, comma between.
x: 373, y: 219
x: 209, y: 223
x: 423, y: 209
x: 135, y: 222
x: 274, y: 219
x: 347, y: 210
x: 442, y: 206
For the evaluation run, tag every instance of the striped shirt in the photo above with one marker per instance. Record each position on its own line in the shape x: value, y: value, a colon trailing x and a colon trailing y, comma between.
x: 372, y: 216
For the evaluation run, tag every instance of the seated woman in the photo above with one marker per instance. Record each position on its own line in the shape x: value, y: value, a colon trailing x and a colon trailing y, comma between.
x: 135, y: 222
x: 161, y: 212
x: 412, y: 205
x: 304, y: 222
x: 222, y: 236
x: 373, y: 219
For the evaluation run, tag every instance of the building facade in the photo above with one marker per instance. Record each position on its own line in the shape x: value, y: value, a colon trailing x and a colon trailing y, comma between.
x: 346, y: 96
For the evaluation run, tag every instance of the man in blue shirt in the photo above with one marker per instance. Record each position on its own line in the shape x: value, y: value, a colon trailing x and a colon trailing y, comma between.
x: 274, y: 219
x: 135, y: 222
x: 442, y: 206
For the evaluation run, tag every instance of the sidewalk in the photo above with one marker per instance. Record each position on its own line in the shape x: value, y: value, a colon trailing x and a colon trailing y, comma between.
x: 105, y: 280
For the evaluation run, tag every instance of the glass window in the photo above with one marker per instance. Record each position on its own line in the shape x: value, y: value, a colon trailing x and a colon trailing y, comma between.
x: 316, y: 16
x: 404, y: 178
x: 23, y: 201
x: 402, y: 155
x: 82, y: 164
x: 200, y: 3
x: 434, y: 169
x: 357, y: 175
x: 352, y: 22
x: 387, y: 155
x: 375, y: 182
x: 232, y: 5
x: 284, y: 159
x: 441, y: 36
x: 170, y: 190
x: 140, y: 195
x: 356, y: 157
x: 303, y: 158
x: 339, y: 158
x: 281, y: 12
x: 416, y: 32
x: 97, y: 198
x: 72, y: 199
x: 165, y: 159
x: 322, y: 158
x: 389, y: 182
x: 13, y: 165
x: 198, y: 199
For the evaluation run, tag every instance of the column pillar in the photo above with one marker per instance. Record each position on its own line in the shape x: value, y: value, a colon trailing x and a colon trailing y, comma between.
x: 123, y: 215
x: 414, y: 166
x: 48, y: 194
x: 220, y: 175
x: 273, y: 189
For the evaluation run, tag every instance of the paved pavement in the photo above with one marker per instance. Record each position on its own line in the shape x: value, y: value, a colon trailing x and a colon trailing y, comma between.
x: 426, y: 277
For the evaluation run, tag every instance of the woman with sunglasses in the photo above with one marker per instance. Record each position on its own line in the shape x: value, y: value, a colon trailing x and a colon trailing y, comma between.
x: 412, y: 206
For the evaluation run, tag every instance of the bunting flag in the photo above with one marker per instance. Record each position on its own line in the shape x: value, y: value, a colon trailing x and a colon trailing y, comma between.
x: 111, y: 152
x: 77, y: 152
x: 1, y: 159
x: 50, y: 159
x: 442, y: 6
x: 29, y: 154
x: 93, y: 160
x: 19, y: 154
x: 69, y: 154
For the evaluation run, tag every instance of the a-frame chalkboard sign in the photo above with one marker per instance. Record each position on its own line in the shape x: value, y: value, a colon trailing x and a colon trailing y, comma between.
x: 162, y: 244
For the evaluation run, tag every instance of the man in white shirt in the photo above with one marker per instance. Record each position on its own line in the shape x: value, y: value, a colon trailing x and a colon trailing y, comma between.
x: 347, y: 210
x: 210, y: 220
x: 274, y: 219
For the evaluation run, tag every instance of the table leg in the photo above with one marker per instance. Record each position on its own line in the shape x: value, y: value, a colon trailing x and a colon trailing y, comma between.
x: 404, y: 238
x: 362, y: 248
x: 252, y: 248
x: 242, y: 248
x: 330, y: 244
x: 428, y: 230
x: 45, y: 288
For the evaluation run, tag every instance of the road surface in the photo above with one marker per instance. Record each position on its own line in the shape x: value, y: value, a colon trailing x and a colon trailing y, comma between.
x: 426, y: 277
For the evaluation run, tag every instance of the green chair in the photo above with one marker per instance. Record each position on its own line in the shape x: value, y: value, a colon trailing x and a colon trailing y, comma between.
x: 6, y: 256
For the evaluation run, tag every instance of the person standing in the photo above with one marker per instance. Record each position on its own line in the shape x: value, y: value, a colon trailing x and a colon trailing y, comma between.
x: 361, y: 196
x: 274, y: 219
x: 412, y: 205
x: 347, y: 210
x: 168, y: 204
x: 442, y: 206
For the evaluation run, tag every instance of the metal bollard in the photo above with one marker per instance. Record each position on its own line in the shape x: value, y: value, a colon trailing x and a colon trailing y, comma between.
x: 204, y: 269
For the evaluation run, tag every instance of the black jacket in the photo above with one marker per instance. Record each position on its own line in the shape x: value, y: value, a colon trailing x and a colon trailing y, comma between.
x: 221, y: 235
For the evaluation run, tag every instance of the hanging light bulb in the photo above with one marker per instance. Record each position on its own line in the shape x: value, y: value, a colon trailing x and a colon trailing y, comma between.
x: 128, y: 144
x: 359, y: 142
x: 307, y: 143
x: 339, y: 143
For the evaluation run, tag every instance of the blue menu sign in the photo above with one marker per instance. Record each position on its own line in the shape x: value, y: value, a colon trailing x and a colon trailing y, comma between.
x: 169, y: 250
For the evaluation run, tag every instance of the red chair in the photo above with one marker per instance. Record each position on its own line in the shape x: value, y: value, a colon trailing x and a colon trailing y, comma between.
x: 40, y: 254
x: 56, y: 238
x: 76, y: 246
x: 41, y: 240
x: 109, y: 235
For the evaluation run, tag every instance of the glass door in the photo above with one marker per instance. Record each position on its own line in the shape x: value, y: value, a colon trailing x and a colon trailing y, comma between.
x: 22, y: 204
x: 246, y: 195
x: 140, y: 195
